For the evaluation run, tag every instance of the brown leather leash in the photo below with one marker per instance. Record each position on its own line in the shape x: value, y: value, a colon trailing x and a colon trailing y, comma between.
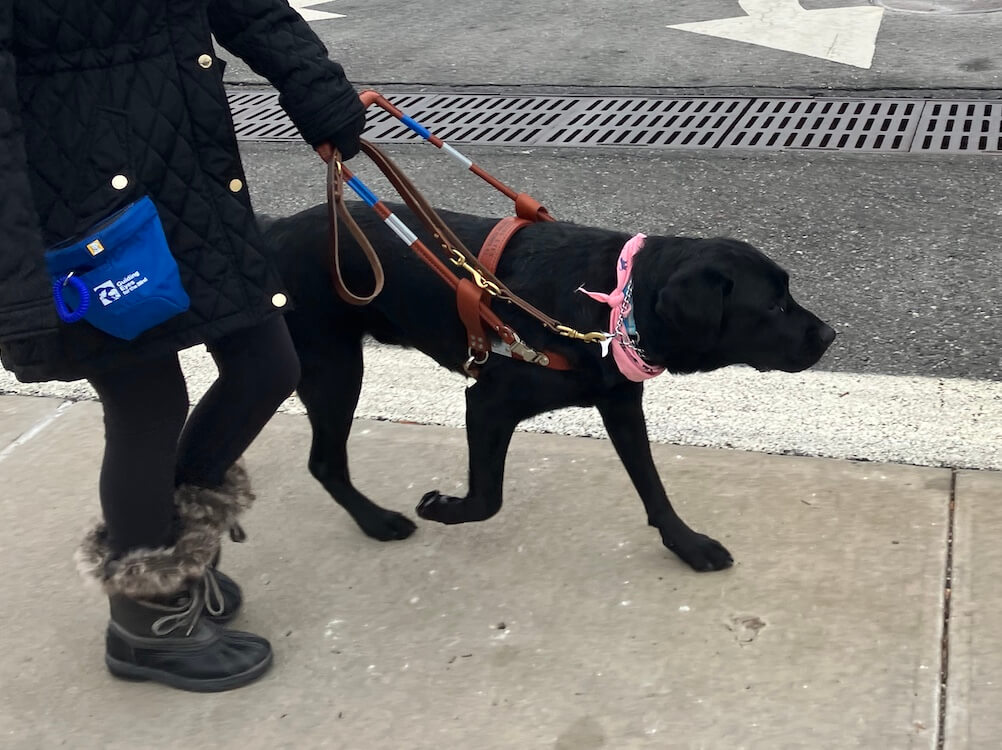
x: 461, y: 256
x: 337, y: 208
x: 473, y: 295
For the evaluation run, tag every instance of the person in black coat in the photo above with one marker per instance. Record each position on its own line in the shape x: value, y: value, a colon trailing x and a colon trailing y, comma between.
x: 104, y: 103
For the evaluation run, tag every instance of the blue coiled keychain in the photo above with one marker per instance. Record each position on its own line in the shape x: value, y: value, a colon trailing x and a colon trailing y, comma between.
x: 62, y: 309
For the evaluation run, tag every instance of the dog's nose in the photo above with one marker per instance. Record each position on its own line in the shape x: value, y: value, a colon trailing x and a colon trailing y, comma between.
x: 827, y: 334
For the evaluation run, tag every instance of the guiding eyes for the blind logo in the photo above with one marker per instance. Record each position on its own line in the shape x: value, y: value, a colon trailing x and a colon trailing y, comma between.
x: 110, y: 291
x: 107, y: 293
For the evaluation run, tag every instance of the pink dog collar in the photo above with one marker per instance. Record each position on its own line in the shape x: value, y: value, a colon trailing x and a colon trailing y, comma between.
x: 624, y: 351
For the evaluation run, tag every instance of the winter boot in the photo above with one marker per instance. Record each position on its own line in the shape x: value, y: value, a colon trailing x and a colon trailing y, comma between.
x: 161, y: 599
x: 167, y: 641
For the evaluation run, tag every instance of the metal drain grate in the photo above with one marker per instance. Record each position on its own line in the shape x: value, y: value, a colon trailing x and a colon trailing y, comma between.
x: 773, y: 124
x: 676, y: 123
x: 522, y: 120
x: 477, y: 119
x: 959, y: 127
x: 257, y: 117
x: 834, y: 124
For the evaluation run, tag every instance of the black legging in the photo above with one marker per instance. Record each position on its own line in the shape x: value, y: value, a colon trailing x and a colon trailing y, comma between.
x: 152, y: 445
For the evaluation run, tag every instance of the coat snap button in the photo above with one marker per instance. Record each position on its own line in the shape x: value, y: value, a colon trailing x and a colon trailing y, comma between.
x: 120, y: 182
x: 279, y: 300
x: 236, y: 186
x: 205, y: 61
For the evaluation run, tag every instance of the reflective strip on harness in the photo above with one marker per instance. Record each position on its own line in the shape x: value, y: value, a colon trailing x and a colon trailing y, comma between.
x: 456, y: 155
x: 400, y: 229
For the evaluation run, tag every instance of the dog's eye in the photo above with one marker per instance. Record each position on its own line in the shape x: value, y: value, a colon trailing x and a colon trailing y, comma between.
x: 778, y: 307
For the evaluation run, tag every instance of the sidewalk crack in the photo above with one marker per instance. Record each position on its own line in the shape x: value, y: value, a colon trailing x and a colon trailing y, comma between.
x: 944, y: 658
x: 35, y: 429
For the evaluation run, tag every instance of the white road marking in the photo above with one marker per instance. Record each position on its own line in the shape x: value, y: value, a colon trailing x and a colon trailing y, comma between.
x: 842, y: 35
x: 303, y: 8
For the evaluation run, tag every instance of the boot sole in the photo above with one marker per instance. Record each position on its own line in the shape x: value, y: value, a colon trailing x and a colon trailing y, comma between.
x: 128, y: 671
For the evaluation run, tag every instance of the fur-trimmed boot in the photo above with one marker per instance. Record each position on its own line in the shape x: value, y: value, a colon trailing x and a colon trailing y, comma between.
x: 161, y: 599
x: 221, y: 508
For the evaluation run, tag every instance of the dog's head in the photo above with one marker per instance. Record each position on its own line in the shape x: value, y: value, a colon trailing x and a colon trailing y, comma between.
x: 706, y: 304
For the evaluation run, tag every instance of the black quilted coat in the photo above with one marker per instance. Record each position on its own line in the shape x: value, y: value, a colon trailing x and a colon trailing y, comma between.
x: 104, y: 101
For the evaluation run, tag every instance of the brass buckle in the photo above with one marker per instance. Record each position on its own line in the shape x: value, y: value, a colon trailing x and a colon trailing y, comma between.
x: 594, y: 337
x: 458, y: 259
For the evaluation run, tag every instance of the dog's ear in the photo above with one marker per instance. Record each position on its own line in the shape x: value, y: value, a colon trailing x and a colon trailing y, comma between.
x: 692, y: 304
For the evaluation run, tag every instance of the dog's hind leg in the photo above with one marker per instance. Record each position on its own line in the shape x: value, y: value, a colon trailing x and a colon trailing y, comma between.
x: 623, y: 414
x: 329, y: 388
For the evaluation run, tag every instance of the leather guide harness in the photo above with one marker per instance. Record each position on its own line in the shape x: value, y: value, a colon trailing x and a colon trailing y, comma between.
x: 473, y: 295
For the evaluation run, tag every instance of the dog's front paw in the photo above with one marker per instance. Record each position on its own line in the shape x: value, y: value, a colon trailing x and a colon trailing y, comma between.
x: 435, y: 506
x: 701, y: 553
x: 386, y: 525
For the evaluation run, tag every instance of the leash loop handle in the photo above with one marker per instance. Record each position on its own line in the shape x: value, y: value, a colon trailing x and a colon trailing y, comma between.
x: 336, y: 209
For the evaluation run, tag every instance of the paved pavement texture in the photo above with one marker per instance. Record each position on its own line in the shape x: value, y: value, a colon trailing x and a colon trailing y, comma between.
x: 861, y: 612
x: 561, y: 623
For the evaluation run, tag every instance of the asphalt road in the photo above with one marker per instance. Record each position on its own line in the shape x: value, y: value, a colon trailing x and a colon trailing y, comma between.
x: 593, y: 44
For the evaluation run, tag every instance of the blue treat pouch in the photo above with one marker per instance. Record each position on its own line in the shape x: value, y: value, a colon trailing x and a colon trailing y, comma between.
x: 120, y: 276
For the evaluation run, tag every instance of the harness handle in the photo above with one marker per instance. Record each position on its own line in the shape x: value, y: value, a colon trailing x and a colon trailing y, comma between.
x: 487, y: 284
x: 416, y: 201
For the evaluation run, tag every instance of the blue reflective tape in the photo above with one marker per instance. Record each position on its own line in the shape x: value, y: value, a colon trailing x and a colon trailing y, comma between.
x: 362, y: 191
x: 417, y: 127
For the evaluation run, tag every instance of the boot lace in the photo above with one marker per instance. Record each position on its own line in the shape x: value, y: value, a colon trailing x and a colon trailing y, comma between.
x: 186, y: 615
x: 212, y: 593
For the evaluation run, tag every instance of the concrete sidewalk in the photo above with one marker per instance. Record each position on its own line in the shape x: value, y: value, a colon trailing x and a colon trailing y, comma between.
x: 561, y: 623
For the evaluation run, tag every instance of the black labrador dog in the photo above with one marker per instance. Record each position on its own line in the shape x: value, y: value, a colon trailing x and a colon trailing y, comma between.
x: 700, y: 304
